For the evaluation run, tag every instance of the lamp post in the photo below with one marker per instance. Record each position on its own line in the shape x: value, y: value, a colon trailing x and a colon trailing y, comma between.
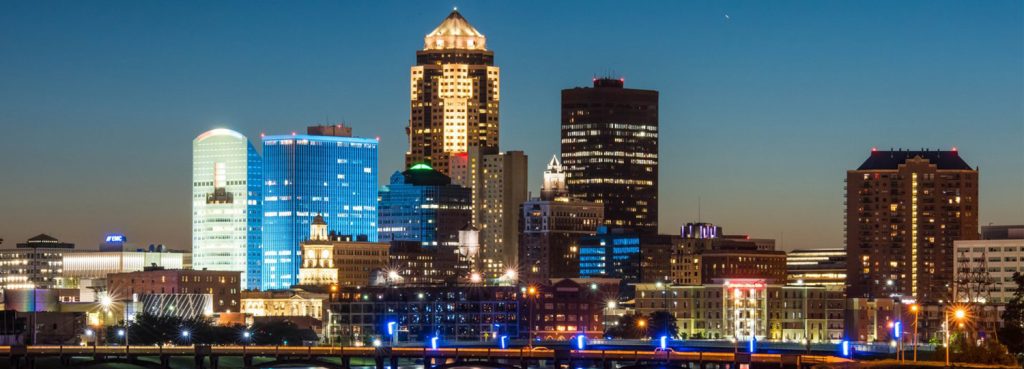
x: 916, y: 309
x: 531, y: 293
x: 608, y: 313
x: 959, y: 314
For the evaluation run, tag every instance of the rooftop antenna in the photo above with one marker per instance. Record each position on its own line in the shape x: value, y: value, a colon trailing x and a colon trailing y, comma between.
x: 698, y: 209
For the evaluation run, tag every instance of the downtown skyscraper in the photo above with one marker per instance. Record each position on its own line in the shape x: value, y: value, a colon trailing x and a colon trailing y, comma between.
x: 227, y: 182
x: 326, y: 172
x: 904, y: 209
x: 453, y: 95
x: 610, y: 151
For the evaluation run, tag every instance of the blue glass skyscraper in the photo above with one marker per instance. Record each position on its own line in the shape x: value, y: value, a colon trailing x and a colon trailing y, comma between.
x: 326, y: 172
x: 421, y: 204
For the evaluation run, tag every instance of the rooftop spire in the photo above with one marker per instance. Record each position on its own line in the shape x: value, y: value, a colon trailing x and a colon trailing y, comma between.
x: 455, y: 32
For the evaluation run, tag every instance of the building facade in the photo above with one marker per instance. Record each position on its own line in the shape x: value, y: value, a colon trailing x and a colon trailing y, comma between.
x: 422, y: 204
x: 824, y: 267
x: 551, y: 225
x: 328, y: 260
x: 744, y: 308
x: 222, y: 285
x: 610, y: 151
x: 611, y: 253
x: 291, y: 303
x: 985, y: 268
x: 449, y: 313
x: 498, y: 181
x: 566, y: 307
x: 97, y: 264
x: 904, y: 210
x: 412, y: 264
x: 309, y: 175
x: 704, y: 254
x: 454, y: 95
x: 36, y: 263
x: 227, y: 210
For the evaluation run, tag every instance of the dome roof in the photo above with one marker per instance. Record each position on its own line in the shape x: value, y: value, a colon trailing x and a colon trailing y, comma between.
x: 455, y: 32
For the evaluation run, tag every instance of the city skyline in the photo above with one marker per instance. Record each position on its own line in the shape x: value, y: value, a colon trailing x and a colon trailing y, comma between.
x: 753, y: 173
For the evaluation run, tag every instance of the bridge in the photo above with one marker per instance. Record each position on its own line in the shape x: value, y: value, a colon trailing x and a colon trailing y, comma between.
x: 208, y: 357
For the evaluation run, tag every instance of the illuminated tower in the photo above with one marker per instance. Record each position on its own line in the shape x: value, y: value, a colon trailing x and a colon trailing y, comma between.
x: 226, y: 205
x: 904, y: 210
x: 453, y: 95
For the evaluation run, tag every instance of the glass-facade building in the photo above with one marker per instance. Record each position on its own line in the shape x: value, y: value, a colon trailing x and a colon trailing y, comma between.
x: 421, y: 204
x: 310, y: 175
x: 612, y: 253
x: 226, y: 206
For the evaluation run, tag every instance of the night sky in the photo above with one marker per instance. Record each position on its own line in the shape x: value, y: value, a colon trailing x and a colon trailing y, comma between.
x: 764, y: 104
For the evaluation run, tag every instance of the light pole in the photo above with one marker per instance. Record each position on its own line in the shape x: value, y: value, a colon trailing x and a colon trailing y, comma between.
x: 959, y: 314
x: 916, y: 309
x: 531, y: 293
x: 608, y: 313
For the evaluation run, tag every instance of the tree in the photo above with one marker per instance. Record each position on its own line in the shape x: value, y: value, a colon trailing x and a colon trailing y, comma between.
x: 1012, y: 332
x: 631, y: 326
x: 281, y: 332
x: 662, y: 323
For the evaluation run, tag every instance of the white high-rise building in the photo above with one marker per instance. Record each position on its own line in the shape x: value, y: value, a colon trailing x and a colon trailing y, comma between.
x: 227, y: 214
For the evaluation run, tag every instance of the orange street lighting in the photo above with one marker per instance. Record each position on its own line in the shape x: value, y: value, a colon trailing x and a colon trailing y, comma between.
x: 641, y: 323
x: 960, y: 314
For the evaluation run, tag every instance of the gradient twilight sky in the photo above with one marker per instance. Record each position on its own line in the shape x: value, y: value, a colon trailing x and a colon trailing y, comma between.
x: 761, y: 113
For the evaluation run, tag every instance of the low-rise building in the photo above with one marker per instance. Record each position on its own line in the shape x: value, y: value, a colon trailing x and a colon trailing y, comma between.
x: 97, y: 264
x: 223, y: 286
x: 568, y: 307
x: 331, y: 260
x: 421, y: 312
x: 742, y: 308
x: 290, y: 303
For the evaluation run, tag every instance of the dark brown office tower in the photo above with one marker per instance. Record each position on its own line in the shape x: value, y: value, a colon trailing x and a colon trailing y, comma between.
x: 454, y: 95
x: 610, y: 151
x: 904, y: 209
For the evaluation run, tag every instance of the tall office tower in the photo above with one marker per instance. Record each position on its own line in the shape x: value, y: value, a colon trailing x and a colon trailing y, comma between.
x: 904, y: 210
x: 325, y: 172
x: 550, y: 227
x: 454, y: 95
x: 421, y: 204
x: 610, y: 151
x: 227, y: 214
x: 498, y: 181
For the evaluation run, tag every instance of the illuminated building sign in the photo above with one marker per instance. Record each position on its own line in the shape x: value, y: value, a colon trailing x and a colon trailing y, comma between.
x: 115, y: 238
x: 745, y: 283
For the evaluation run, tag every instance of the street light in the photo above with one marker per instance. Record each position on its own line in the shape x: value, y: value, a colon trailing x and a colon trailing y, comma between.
x: 915, y: 308
x: 959, y: 314
x: 531, y: 294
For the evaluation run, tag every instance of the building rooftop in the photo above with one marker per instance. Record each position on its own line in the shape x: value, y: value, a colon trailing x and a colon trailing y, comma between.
x: 421, y: 175
x: 892, y: 159
x: 455, y: 32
